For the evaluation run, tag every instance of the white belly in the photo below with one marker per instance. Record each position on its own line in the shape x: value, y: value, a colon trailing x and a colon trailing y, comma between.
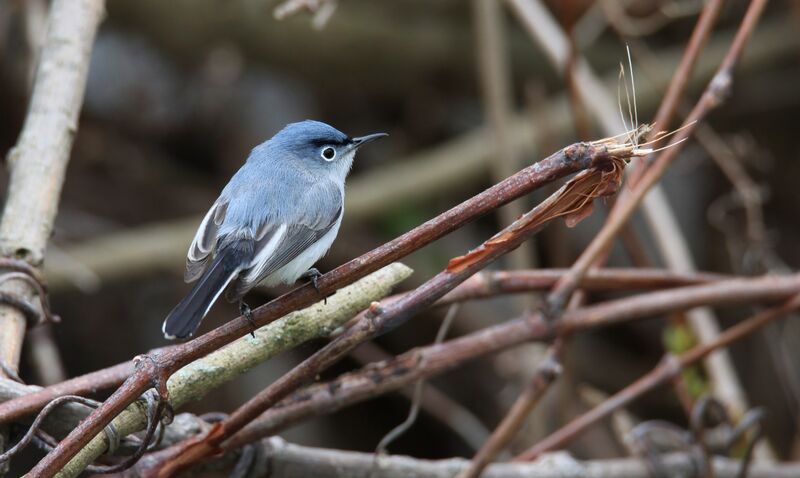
x: 292, y: 271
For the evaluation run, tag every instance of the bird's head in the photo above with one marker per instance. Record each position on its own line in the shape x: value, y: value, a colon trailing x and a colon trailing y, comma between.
x: 320, y: 146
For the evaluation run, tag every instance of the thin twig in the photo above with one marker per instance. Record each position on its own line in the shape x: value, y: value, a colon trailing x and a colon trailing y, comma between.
x: 487, y: 284
x: 34, y: 429
x: 547, y: 372
x: 714, y: 94
x: 416, y: 399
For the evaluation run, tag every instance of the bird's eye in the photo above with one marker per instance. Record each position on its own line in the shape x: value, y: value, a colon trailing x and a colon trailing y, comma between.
x: 328, y: 154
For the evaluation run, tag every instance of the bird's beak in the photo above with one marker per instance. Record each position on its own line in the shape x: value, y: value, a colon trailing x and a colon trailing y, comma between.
x: 362, y: 140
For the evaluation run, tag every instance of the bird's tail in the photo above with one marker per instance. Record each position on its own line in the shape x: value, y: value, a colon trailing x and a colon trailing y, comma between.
x: 187, y: 315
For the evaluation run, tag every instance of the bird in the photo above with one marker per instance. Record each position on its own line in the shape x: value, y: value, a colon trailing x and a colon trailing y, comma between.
x: 278, y: 214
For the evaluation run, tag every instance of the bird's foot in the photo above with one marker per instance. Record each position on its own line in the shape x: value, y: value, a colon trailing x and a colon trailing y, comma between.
x: 244, y: 309
x: 312, y: 275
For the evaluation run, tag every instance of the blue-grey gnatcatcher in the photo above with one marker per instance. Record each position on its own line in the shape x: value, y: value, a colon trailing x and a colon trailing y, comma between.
x: 276, y: 217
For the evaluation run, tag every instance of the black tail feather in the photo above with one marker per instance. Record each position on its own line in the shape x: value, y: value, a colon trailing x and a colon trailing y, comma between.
x: 187, y: 315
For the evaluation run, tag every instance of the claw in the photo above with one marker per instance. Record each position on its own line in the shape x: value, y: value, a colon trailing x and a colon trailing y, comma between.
x: 312, y: 275
x: 244, y: 309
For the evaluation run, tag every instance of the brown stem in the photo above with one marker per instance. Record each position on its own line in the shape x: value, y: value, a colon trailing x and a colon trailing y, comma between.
x: 547, y: 372
x: 491, y: 283
x: 84, y: 385
x: 702, y: 30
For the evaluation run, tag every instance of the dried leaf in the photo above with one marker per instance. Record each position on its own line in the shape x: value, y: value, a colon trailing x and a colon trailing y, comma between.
x: 573, y: 218
x: 573, y: 202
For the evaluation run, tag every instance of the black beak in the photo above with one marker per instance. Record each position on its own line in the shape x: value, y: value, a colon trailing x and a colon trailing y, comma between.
x: 362, y: 140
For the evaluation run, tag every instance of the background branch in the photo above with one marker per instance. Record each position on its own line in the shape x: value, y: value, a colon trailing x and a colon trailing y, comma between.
x: 287, y: 459
x: 39, y: 159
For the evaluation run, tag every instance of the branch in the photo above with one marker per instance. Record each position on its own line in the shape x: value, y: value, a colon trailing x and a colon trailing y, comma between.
x: 545, y: 374
x: 195, y: 380
x: 39, y: 159
x: 683, y: 73
x: 287, y: 459
x: 33, y: 401
x: 486, y: 284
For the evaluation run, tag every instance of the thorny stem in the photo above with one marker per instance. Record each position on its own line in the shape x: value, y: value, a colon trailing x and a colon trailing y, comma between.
x: 669, y: 368
x: 566, y: 161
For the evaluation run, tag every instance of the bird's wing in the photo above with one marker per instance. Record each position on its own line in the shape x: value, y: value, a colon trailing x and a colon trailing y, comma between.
x: 284, y: 237
x: 204, y: 241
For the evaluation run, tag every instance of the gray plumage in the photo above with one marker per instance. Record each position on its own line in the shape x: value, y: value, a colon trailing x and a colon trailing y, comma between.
x: 276, y: 217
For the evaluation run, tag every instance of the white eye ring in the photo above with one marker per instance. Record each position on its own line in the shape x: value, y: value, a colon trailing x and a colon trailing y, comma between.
x: 328, y: 153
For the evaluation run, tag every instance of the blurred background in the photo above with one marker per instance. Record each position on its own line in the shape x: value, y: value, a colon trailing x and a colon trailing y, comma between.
x: 180, y: 91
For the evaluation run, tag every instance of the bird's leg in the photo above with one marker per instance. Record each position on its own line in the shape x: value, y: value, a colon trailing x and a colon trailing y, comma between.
x: 312, y: 275
x: 244, y: 309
